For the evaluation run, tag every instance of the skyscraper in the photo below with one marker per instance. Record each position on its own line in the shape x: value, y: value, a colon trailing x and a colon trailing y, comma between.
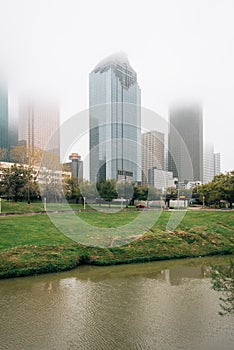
x: 152, y: 153
x: 217, y: 164
x: 3, y: 117
x: 208, y: 163
x: 38, y: 122
x: 13, y: 116
x: 115, y: 121
x: 185, y: 142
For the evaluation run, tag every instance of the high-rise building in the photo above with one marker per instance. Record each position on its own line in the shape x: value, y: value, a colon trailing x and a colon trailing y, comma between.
x: 76, y: 166
x: 161, y: 179
x: 208, y: 163
x: 3, y: 117
x: 39, y: 126
x: 217, y: 164
x: 185, y: 142
x: 13, y: 116
x: 152, y: 152
x: 115, y: 121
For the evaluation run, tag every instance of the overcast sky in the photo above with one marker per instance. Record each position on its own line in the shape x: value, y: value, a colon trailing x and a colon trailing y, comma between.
x: 179, y: 49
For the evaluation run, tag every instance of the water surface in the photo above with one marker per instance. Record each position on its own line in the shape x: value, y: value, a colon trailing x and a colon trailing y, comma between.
x: 159, y: 305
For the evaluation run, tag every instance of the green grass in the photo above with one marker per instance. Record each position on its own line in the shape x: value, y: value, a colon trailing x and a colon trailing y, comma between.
x: 33, y: 245
x: 21, y: 207
x: 33, y: 207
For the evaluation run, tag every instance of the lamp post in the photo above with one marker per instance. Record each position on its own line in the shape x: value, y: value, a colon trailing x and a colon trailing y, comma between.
x: 178, y: 199
x: 203, y: 202
x: 28, y: 180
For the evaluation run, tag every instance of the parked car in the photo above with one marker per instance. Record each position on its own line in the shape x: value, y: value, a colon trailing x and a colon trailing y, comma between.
x: 141, y: 206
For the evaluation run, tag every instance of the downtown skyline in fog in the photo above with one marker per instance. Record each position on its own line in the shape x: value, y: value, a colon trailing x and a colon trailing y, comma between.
x: 180, y: 49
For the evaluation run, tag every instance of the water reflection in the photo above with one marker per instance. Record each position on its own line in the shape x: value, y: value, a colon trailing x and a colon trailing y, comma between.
x: 161, y: 305
x: 223, y: 281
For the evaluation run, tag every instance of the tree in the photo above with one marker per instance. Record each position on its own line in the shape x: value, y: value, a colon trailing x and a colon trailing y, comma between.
x: 145, y: 193
x: 142, y: 193
x: 154, y: 193
x: 88, y: 190
x: 124, y: 190
x: 223, y: 281
x: 3, y: 154
x: 23, y: 154
x: 107, y: 190
x: 71, y: 189
x: 16, y: 181
x: 136, y: 194
x: 221, y: 188
x: 19, y: 154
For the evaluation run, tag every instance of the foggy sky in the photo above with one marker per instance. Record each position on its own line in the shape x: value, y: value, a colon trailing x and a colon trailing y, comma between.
x: 179, y: 49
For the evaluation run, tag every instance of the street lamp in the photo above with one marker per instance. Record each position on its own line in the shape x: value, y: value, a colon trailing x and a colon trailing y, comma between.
x: 178, y: 199
x: 28, y: 180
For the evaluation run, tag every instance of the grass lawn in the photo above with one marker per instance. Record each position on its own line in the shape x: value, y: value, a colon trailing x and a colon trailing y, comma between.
x: 24, y: 207
x: 32, y: 244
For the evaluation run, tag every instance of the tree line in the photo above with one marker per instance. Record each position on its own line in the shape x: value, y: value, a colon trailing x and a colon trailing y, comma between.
x: 20, y: 182
x: 219, y: 191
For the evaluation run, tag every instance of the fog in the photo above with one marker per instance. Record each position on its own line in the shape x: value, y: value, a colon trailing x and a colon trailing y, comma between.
x: 179, y: 49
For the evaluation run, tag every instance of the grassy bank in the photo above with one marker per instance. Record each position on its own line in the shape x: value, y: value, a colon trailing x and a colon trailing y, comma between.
x: 33, y: 245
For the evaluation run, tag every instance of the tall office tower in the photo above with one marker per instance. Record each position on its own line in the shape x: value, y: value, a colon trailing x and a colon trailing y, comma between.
x: 115, y: 121
x: 185, y: 142
x: 13, y: 121
x: 208, y: 163
x: 39, y: 125
x: 217, y: 164
x: 152, y: 152
x: 3, y: 117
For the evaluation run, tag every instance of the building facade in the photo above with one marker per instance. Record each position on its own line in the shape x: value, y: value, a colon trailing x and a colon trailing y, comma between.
x: 217, y: 164
x: 3, y: 117
x: 13, y: 116
x: 76, y: 166
x: 161, y: 179
x: 208, y: 163
x: 39, y: 126
x: 152, y: 153
x: 115, y: 121
x: 185, y: 142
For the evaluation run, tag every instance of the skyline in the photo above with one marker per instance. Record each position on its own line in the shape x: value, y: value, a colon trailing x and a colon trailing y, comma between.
x: 180, y: 49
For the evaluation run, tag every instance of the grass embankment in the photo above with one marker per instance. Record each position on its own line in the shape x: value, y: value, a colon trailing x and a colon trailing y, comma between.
x: 32, y: 244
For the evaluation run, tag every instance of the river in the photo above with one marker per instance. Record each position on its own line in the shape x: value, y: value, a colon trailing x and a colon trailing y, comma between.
x: 165, y: 305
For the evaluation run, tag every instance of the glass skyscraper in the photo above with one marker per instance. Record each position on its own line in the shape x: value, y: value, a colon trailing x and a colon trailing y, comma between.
x: 185, y: 142
x: 3, y: 117
x: 115, y: 121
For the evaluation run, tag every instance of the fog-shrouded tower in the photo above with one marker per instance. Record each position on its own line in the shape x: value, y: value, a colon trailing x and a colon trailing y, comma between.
x: 115, y: 121
x: 185, y: 141
x: 39, y: 124
x: 3, y: 117
x: 217, y: 164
